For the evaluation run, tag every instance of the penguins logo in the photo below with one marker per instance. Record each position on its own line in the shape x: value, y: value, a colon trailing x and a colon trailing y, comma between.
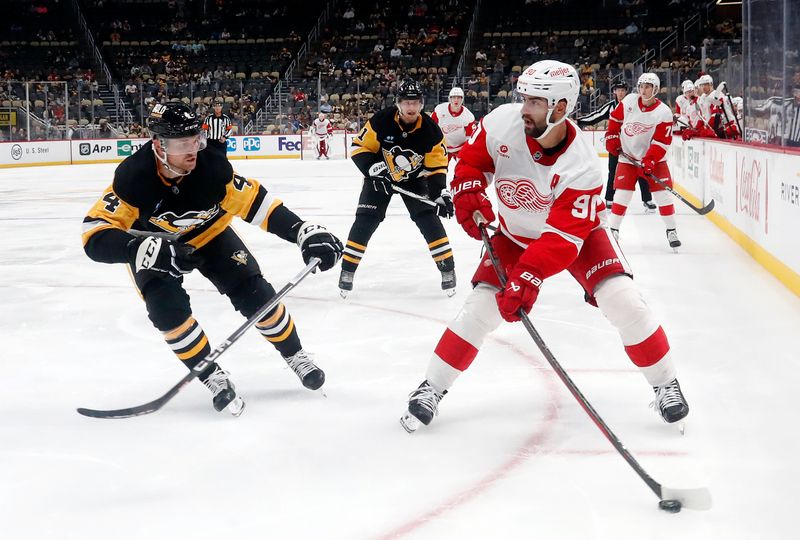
x: 170, y: 222
x: 240, y: 257
x: 401, y: 163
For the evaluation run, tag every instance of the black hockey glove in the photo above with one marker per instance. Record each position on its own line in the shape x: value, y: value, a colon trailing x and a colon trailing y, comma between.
x: 379, y: 178
x: 164, y: 256
x: 444, y: 204
x: 316, y: 241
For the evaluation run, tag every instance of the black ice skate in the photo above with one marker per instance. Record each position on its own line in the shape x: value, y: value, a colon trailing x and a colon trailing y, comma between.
x: 449, y: 282
x: 649, y: 207
x: 423, y: 405
x: 310, y: 375
x: 670, y: 403
x: 672, y: 238
x: 224, y: 392
x: 345, y: 283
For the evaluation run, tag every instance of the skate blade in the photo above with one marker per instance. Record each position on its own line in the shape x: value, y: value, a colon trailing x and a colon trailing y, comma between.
x: 409, y: 422
x: 235, y: 407
x: 343, y: 293
x: 450, y: 292
x: 680, y: 425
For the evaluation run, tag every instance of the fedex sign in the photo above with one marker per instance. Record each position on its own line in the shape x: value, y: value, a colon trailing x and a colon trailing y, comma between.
x: 285, y: 144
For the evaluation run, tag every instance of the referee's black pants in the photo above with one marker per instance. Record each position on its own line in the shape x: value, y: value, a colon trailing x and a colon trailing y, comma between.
x: 217, y: 145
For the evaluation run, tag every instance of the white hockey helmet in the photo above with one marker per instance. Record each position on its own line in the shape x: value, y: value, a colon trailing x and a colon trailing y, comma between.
x: 456, y: 92
x: 687, y: 86
x: 704, y: 79
x: 553, y: 81
x: 738, y: 102
x: 650, y: 78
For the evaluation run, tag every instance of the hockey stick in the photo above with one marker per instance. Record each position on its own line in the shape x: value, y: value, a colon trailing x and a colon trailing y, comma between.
x: 413, y: 195
x: 733, y: 111
x: 694, y: 498
x: 157, y: 404
x: 702, y: 211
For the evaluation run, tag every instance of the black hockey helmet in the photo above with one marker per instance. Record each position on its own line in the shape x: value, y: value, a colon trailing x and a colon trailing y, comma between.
x: 620, y: 84
x: 173, y: 120
x: 410, y: 89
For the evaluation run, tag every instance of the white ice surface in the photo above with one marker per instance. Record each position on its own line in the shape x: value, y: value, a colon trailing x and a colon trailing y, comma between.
x: 511, y: 455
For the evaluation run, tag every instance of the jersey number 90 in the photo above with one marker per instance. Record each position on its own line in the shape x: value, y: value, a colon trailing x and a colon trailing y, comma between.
x: 585, y: 207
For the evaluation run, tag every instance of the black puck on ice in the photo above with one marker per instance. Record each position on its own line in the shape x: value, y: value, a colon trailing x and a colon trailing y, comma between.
x: 670, y: 505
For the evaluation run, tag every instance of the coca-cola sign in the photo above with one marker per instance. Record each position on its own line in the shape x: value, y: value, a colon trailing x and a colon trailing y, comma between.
x: 752, y: 176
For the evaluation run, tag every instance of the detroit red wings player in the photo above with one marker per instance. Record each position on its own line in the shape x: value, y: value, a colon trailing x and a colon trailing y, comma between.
x: 548, y: 181
x: 641, y: 127
x: 321, y: 129
x: 456, y: 122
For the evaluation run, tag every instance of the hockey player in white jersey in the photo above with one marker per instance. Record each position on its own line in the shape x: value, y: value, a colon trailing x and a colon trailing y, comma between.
x: 548, y: 181
x: 456, y: 122
x: 685, y: 111
x: 641, y: 128
x: 321, y: 130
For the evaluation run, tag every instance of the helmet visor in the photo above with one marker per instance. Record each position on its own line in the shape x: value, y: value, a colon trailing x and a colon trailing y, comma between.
x: 184, y: 145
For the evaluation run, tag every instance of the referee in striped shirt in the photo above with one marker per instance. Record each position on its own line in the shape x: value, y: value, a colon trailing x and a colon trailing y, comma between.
x: 620, y: 90
x: 792, y: 116
x: 218, y: 127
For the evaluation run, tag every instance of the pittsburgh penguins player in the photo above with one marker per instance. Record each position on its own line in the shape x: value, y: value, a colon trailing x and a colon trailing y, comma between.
x: 168, y: 211
x: 400, y: 146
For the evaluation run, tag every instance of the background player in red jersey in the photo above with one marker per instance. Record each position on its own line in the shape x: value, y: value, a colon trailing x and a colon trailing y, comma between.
x: 641, y: 128
x: 548, y: 181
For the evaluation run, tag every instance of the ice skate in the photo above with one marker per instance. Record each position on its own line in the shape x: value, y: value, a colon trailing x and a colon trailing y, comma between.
x: 449, y: 282
x: 345, y: 283
x: 649, y: 207
x: 310, y: 375
x: 615, y: 233
x: 423, y: 405
x: 672, y: 238
x: 224, y: 392
x: 670, y: 403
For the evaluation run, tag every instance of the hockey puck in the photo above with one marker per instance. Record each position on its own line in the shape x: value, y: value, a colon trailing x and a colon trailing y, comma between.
x: 670, y: 505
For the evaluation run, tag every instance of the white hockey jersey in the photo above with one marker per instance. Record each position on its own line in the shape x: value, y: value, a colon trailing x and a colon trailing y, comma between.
x: 321, y: 128
x: 457, y: 128
x: 538, y: 191
x: 683, y: 107
x: 643, y: 131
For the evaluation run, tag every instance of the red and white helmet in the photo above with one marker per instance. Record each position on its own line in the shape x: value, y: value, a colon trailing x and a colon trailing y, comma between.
x: 650, y: 78
x: 687, y: 86
x: 553, y: 81
x: 456, y: 92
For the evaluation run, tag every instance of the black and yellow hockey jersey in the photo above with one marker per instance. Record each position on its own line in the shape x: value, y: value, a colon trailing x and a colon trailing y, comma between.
x: 192, y: 209
x: 418, y: 152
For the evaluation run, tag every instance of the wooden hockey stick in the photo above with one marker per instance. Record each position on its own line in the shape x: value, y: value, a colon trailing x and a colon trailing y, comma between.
x: 671, y: 499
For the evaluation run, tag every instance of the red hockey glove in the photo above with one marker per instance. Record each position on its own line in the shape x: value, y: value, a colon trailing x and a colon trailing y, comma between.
x: 688, y: 133
x: 521, y: 291
x: 470, y: 196
x: 732, y: 131
x: 648, y: 165
x: 613, y: 144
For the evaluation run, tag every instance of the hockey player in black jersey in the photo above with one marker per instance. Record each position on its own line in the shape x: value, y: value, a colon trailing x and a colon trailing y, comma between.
x: 401, y: 146
x: 168, y: 211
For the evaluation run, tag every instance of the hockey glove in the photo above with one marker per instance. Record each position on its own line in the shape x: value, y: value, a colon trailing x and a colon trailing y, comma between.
x: 316, y: 241
x: 688, y: 133
x: 153, y: 254
x: 613, y: 144
x: 444, y: 204
x: 469, y: 196
x: 521, y: 291
x: 648, y: 165
x: 379, y: 178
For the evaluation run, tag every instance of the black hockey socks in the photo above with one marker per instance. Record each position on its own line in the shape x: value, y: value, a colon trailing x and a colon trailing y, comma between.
x: 353, y: 253
x: 442, y: 254
x: 278, y: 328
x: 190, y: 345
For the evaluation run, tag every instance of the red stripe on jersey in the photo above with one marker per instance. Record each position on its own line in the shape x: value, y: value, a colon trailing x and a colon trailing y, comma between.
x: 434, y: 117
x: 649, y: 351
x: 455, y: 350
x: 617, y: 114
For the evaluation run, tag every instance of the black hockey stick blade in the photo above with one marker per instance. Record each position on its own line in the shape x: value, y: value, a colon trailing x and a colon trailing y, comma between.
x: 158, y: 403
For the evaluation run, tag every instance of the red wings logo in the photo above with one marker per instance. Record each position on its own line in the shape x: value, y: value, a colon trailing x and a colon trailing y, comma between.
x: 522, y: 193
x: 637, y: 128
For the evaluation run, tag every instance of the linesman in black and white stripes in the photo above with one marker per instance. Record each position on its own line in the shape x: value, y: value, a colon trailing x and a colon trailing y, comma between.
x: 218, y: 127
x: 792, y: 116
x: 620, y: 90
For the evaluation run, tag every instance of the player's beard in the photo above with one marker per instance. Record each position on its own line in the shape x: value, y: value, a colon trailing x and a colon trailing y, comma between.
x: 535, y: 130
